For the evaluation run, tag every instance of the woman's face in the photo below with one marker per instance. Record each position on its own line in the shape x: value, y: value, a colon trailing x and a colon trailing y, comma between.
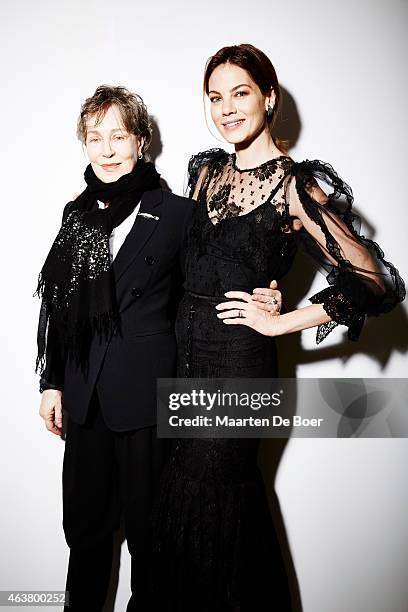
x: 112, y: 151
x: 237, y: 104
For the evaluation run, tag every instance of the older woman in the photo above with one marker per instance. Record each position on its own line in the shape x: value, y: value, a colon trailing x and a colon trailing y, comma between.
x: 215, y: 542
x: 105, y: 336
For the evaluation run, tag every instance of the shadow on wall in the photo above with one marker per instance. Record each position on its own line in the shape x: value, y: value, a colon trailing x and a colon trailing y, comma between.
x: 156, y: 148
x: 380, y: 336
x: 288, y: 125
x: 379, y: 339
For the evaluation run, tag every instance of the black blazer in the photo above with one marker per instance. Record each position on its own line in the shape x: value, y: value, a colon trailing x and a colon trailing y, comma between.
x: 148, y: 276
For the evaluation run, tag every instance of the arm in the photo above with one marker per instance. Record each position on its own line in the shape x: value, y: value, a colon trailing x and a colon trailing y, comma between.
x: 52, y: 375
x: 51, y: 355
x: 361, y: 282
x: 266, y: 322
x: 195, y: 189
x: 51, y: 363
x: 51, y: 382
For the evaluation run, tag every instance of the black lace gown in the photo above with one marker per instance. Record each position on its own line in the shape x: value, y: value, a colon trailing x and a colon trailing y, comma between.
x: 215, y: 544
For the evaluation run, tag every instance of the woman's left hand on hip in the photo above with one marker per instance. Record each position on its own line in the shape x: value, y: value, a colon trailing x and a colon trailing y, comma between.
x: 249, y: 312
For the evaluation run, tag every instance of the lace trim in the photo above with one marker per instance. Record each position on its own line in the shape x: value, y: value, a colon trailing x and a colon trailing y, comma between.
x: 261, y: 168
x: 231, y: 192
x: 342, y: 312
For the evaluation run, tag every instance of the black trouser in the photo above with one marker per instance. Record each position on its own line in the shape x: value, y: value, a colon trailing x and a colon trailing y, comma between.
x: 106, y: 473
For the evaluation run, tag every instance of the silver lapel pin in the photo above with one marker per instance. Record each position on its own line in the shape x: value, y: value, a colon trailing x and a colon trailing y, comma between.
x: 148, y: 216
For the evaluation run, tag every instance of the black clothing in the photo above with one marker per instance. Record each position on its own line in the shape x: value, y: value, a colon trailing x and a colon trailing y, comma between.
x: 105, y: 473
x: 76, y: 282
x: 124, y: 367
x: 215, y: 545
x: 112, y: 456
x: 243, y: 236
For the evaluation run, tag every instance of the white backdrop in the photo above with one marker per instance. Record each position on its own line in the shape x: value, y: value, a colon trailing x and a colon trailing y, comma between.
x: 341, y: 65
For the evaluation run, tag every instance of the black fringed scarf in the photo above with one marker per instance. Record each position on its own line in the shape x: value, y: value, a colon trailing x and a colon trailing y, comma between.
x: 76, y: 282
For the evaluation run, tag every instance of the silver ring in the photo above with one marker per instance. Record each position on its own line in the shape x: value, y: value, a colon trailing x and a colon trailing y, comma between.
x: 240, y: 315
x: 273, y: 301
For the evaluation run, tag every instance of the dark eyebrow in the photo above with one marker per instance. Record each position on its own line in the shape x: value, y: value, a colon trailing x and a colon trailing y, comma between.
x: 233, y: 89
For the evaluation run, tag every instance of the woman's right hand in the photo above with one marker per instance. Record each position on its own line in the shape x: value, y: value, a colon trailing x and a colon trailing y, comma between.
x: 51, y: 410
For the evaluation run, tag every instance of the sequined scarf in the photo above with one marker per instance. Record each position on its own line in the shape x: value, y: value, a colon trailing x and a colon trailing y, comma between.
x: 76, y: 282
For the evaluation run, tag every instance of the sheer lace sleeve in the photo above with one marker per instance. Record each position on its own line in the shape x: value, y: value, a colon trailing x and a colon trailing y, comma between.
x: 198, y: 169
x: 361, y: 282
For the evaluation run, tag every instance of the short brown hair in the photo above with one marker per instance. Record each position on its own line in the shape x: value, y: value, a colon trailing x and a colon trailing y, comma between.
x: 132, y: 110
x: 261, y: 69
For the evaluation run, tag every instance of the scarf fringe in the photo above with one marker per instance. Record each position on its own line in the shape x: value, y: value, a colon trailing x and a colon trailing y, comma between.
x: 39, y: 292
x: 77, y: 344
x: 40, y: 364
x: 74, y: 345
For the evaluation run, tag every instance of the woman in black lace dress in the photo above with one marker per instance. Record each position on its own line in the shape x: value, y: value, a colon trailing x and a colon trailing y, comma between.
x: 216, y: 548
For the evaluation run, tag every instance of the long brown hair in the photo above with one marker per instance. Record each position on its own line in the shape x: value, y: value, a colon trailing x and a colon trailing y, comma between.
x: 259, y: 67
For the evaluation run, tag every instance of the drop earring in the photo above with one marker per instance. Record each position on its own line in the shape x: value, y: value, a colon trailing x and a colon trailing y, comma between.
x: 269, y: 113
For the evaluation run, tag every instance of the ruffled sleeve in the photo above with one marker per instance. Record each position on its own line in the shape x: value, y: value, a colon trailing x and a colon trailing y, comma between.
x: 361, y: 282
x: 197, y: 166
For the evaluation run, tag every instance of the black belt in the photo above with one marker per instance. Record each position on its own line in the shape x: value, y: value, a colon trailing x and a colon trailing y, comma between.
x: 210, y: 298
